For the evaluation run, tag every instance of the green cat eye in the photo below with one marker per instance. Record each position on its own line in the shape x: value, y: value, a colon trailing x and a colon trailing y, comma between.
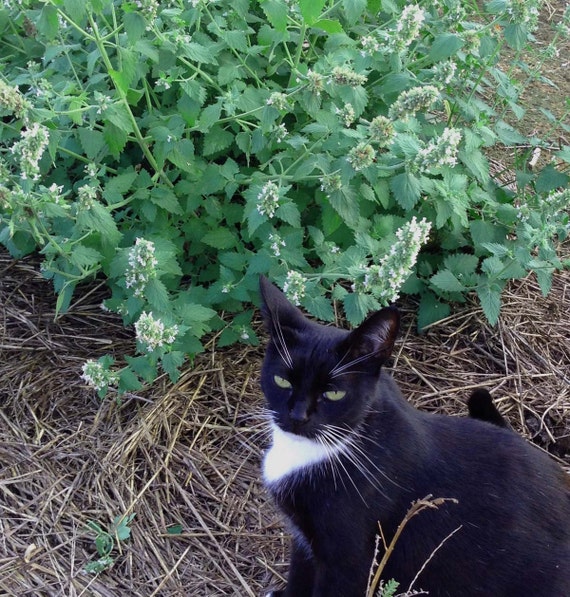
x: 335, y: 395
x: 282, y: 382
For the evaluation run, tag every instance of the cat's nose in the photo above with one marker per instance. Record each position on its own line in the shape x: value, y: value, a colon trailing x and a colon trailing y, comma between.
x: 299, y: 412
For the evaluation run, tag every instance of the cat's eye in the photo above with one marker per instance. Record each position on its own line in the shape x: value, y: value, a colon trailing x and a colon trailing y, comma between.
x: 281, y: 382
x: 335, y: 395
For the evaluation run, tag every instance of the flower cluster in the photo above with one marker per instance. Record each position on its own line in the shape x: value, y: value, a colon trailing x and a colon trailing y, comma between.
x: 524, y: 12
x: 279, y: 101
x: 98, y: 376
x: 342, y: 75
x: 268, y: 199
x: 315, y: 82
x: 381, y: 131
x: 346, y: 114
x: 277, y: 243
x: 149, y: 9
x: 11, y: 99
x: 408, y: 27
x: 142, y: 266
x: 439, y: 152
x: 294, y: 287
x: 280, y: 132
x: 361, y: 156
x: 370, y: 45
x: 151, y: 333
x: 385, y: 279
x: 331, y: 183
x: 30, y: 149
x: 413, y: 100
x: 443, y: 73
x: 86, y: 196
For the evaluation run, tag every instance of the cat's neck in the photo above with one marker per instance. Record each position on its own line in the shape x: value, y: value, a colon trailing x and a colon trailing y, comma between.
x: 292, y: 454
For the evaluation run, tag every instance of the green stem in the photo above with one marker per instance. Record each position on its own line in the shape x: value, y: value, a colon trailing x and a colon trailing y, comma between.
x: 123, y: 98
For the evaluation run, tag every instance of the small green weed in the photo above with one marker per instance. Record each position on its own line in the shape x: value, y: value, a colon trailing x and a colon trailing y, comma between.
x: 107, y: 541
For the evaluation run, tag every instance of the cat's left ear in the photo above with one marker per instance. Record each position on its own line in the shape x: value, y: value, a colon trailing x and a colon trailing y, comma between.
x: 376, y: 335
x: 277, y: 311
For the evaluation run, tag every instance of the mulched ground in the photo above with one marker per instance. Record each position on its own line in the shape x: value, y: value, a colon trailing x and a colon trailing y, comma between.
x: 189, y: 454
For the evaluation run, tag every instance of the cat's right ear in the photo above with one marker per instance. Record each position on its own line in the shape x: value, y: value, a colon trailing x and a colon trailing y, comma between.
x: 376, y: 335
x: 277, y: 311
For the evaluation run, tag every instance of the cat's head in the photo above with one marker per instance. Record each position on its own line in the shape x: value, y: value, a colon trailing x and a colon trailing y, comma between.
x: 315, y: 376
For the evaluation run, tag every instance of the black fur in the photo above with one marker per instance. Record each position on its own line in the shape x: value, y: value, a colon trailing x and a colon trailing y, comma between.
x: 508, y: 535
x: 480, y: 405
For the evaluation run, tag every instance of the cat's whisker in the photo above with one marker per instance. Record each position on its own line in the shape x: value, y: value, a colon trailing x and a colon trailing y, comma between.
x: 338, y: 369
x: 282, y: 345
x: 356, y: 455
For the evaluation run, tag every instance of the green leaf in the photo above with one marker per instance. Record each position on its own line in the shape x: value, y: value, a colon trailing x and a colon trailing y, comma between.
x: 198, y: 53
x: 357, y: 306
x: 175, y: 529
x: 115, y: 137
x: 120, y: 116
x: 216, y: 139
x: 129, y: 381
x: 406, y: 189
x: 508, y: 135
x: 156, y: 294
x: 311, y: 10
x: 550, y: 179
x: 328, y: 25
x: 353, y: 9
x: 276, y: 12
x: 92, y: 142
x: 289, y: 212
x: 47, y: 23
x: 446, y: 281
x: 444, y: 46
x: 166, y: 199
x: 516, y: 35
x: 220, y: 238
x: 320, y: 307
x: 489, y: 294
x: 431, y: 310
x: 135, y: 25
x: 171, y: 363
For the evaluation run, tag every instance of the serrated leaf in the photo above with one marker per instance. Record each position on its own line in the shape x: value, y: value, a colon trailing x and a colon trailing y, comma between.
x: 116, y: 139
x: 166, y: 199
x: 92, y: 142
x: 85, y: 257
x: 289, y: 212
x: 116, y: 187
x: 444, y: 46
x: 446, y: 281
x: 220, y: 238
x: 406, y: 189
x: 198, y: 53
x: 119, y: 115
x: 276, y: 12
x: 171, y: 363
x: 353, y: 9
x: 320, y: 307
x: 216, y: 139
x: 328, y: 25
x: 135, y: 26
x: 194, y: 90
x: 550, y: 179
x: 129, y: 381
x: 431, y: 310
x: 490, y: 298
x: 156, y: 294
x: 357, y: 306
x: 311, y: 10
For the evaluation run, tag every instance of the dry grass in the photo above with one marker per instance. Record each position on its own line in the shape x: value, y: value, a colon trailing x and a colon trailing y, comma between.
x: 189, y: 453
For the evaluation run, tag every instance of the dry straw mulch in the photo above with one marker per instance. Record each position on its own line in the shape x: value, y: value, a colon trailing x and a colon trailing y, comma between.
x: 188, y: 454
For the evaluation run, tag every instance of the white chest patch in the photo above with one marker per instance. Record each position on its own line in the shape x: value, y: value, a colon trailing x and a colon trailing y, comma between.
x: 291, y: 453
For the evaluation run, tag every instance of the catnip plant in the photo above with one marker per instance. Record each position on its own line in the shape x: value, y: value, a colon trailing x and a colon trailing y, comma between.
x: 180, y: 149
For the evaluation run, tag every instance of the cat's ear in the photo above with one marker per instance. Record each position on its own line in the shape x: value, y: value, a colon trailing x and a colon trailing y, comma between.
x: 276, y: 309
x: 376, y: 335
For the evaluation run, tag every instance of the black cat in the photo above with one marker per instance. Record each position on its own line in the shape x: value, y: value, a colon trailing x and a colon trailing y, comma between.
x: 349, y: 454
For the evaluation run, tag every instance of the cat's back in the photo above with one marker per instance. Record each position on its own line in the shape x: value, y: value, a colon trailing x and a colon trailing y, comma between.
x: 512, y: 512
